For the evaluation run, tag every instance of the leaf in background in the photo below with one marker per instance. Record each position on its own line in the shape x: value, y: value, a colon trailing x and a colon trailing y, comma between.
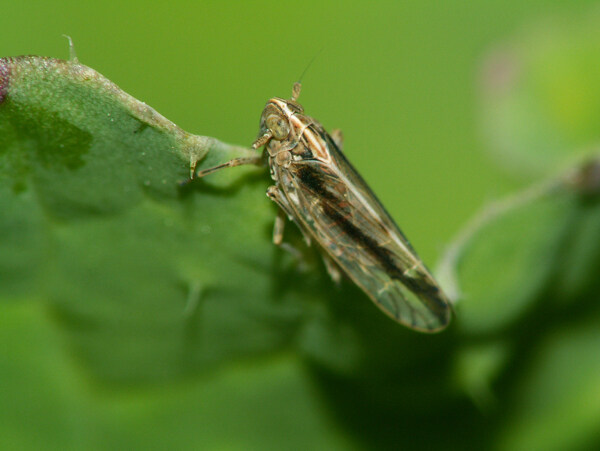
x: 478, y: 367
x: 525, y: 274
x: 541, y: 96
x: 580, y: 264
x: 540, y: 246
x: 557, y: 405
x: 50, y: 402
x: 501, y: 263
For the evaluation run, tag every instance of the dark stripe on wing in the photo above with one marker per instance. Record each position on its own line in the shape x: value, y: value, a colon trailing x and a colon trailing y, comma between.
x: 331, y: 207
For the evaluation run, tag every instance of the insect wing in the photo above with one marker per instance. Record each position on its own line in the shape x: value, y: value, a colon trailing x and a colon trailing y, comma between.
x: 337, y: 207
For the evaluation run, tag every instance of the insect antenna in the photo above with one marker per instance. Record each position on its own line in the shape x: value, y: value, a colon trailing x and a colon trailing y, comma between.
x: 298, y: 85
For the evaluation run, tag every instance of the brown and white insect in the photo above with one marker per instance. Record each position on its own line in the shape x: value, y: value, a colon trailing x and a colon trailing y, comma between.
x: 318, y: 189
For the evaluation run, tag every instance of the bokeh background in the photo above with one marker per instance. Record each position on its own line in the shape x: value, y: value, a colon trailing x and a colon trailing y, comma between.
x: 401, y: 79
x: 439, y: 122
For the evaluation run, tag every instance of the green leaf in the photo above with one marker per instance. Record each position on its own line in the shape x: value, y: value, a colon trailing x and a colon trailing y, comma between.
x: 557, y: 405
x: 524, y: 274
x: 96, y: 224
x: 50, y: 402
x: 478, y: 367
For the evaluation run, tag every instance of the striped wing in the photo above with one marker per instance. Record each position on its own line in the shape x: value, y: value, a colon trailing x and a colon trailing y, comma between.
x: 336, y: 207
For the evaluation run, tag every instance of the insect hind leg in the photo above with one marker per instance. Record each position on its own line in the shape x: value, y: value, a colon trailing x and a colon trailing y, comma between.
x: 279, y: 227
x: 333, y: 268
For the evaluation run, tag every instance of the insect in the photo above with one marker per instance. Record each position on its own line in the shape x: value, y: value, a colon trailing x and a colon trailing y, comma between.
x: 317, y: 188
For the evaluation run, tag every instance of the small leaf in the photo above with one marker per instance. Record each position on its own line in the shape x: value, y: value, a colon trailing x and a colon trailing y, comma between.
x: 540, y: 245
x: 501, y: 263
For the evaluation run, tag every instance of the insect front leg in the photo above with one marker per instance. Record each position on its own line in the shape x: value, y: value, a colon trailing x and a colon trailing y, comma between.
x: 275, y: 195
x: 284, y: 210
x: 278, y: 228
x: 255, y: 160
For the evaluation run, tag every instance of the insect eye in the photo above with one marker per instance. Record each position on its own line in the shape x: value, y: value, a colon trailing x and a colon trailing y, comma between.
x: 278, y: 125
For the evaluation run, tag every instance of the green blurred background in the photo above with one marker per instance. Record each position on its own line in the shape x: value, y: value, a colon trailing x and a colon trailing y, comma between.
x: 414, y: 86
x: 399, y: 78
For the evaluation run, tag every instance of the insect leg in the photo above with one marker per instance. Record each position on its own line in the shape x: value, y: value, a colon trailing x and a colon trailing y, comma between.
x: 278, y: 237
x: 338, y: 138
x: 284, y: 210
x: 273, y: 192
x: 279, y: 227
x: 256, y: 160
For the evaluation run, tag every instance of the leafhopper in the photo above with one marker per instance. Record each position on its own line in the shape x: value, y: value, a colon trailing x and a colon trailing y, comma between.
x: 317, y: 188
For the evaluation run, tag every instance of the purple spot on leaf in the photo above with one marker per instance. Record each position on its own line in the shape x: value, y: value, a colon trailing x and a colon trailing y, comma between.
x: 4, y: 76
